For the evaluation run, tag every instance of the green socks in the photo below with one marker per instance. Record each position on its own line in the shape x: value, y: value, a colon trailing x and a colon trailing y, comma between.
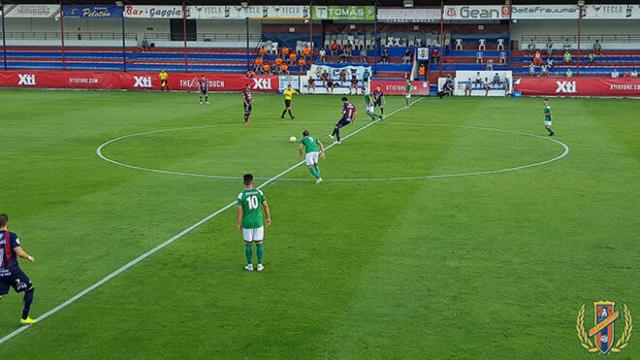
x: 249, y: 253
x: 260, y: 251
x: 314, y: 171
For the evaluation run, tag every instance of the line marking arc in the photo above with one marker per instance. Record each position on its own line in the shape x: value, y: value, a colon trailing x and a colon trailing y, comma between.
x: 174, y: 238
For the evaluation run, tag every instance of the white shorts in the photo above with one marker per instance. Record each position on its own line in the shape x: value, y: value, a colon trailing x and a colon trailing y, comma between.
x: 408, y: 96
x: 312, y: 158
x: 547, y: 123
x: 370, y: 109
x: 250, y: 235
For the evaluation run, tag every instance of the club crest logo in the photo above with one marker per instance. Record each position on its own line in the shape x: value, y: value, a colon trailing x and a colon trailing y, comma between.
x: 602, y: 336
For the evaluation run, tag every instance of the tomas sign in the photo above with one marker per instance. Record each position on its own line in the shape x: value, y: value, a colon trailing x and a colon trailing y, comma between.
x: 344, y: 13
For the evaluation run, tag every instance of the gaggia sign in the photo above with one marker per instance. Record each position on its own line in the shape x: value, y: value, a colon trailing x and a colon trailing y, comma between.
x: 132, y: 81
x: 622, y: 87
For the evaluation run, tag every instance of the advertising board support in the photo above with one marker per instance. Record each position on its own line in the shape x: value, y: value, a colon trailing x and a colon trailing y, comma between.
x: 124, y: 44
x: 246, y: 31
x: 4, y: 37
x: 184, y: 35
x: 441, y: 59
x: 62, y: 36
x: 580, y: 11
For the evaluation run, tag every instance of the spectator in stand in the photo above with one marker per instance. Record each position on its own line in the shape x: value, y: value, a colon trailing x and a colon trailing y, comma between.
x: 284, y: 69
x: 506, y: 87
x: 334, y: 48
x: 496, y: 79
x: 349, y: 52
x: 407, y: 56
x: 306, y: 52
x: 262, y: 51
x: 467, y: 88
x: 567, y: 57
x: 302, y: 64
x: 278, y: 61
x: 592, y: 58
x: 266, y: 68
x: 311, y: 84
x: 293, y: 58
x: 343, y: 55
x: 549, y: 47
x: 479, y: 57
x: 486, y: 86
x: 422, y: 72
x: 435, y: 56
x: 544, y: 70
x: 257, y: 64
x: 597, y: 47
x: 568, y: 73
x: 615, y: 74
x: 250, y: 74
x: 478, y: 83
x: 342, y: 76
x: 537, y: 58
x: 489, y: 65
x: 567, y: 44
x: 503, y: 57
x: 322, y: 55
x: 385, y: 56
x: 532, y: 69
x: 532, y: 46
x: 363, y: 56
x: 285, y: 52
x: 633, y: 73
x: 550, y: 63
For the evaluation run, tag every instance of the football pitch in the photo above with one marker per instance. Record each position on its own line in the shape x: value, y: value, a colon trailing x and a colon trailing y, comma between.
x: 455, y: 229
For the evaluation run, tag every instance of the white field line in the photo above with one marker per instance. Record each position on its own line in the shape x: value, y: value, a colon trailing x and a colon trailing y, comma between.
x: 371, y: 179
x: 170, y: 241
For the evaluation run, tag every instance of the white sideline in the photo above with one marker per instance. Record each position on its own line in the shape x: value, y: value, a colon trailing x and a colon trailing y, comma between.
x: 173, y: 239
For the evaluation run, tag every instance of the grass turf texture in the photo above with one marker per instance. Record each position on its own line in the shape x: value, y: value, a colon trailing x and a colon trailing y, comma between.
x: 485, y: 267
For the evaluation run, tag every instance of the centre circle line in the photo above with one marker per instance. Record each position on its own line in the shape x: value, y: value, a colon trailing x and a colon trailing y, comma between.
x: 100, y: 153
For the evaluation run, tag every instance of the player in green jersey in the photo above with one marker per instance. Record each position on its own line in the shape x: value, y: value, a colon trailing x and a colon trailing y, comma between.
x: 547, y: 117
x: 313, y: 149
x: 407, y: 92
x: 251, y: 220
x: 368, y: 104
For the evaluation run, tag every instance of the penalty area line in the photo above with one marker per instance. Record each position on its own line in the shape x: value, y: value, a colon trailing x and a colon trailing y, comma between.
x: 173, y: 239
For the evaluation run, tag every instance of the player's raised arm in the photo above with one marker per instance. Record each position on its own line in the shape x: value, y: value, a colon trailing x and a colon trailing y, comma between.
x: 267, y: 213
x: 300, y: 148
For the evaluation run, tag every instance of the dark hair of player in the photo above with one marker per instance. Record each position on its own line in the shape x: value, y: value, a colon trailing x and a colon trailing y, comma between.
x: 4, y: 220
x: 546, y: 99
x: 305, y: 133
x: 247, y: 179
x: 345, y: 99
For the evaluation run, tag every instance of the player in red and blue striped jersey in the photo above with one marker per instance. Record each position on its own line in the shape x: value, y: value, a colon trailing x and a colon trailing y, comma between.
x: 11, y: 276
x: 348, y: 117
x: 203, y: 85
x: 247, y: 98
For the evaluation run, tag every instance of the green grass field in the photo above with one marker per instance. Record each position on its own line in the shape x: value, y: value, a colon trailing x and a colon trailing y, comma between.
x: 382, y: 261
